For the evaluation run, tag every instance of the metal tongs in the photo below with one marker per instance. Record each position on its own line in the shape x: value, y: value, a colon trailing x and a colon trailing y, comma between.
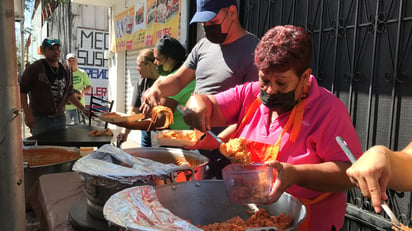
x: 384, y: 205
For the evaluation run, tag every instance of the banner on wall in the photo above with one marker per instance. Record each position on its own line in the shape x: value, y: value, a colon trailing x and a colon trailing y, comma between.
x: 144, y: 23
x: 90, y: 55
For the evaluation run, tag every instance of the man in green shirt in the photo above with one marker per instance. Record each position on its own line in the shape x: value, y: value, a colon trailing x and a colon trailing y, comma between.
x: 81, y: 85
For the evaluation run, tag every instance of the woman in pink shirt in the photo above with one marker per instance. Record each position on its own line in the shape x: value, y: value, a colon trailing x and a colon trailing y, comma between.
x: 290, y: 123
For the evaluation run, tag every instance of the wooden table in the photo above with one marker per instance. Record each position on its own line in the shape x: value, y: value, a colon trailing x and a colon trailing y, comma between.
x: 72, y: 136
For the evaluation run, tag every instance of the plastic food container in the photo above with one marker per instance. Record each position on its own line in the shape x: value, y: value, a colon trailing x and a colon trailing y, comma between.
x: 248, y: 183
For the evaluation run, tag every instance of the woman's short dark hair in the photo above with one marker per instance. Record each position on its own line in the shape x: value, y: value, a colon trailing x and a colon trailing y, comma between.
x: 171, y: 47
x: 283, y: 48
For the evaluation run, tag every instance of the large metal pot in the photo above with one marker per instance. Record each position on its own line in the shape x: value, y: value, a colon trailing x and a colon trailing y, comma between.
x: 197, y: 161
x: 33, y: 170
x: 98, y: 190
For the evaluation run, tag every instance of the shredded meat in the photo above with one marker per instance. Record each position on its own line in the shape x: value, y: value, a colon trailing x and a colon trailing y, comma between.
x: 161, y: 109
x: 179, y: 135
x: 242, y: 190
x: 236, y: 150
x: 260, y: 219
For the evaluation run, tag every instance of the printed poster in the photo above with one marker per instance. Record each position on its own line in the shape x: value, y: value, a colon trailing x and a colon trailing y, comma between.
x: 144, y: 23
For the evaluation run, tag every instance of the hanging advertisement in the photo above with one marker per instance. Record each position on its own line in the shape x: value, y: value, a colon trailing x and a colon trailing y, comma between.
x: 91, y: 45
x: 142, y: 24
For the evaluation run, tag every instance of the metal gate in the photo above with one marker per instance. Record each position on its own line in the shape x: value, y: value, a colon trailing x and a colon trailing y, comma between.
x: 132, y: 76
x: 363, y: 54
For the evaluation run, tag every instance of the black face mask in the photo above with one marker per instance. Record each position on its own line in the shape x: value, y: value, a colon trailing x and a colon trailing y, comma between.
x: 280, y: 102
x: 214, y: 32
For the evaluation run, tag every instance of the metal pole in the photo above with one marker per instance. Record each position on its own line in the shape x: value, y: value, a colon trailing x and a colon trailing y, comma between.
x: 22, y: 55
x: 12, y: 203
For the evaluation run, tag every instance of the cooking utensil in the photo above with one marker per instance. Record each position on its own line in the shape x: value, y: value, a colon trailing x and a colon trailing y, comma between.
x: 215, y: 137
x: 182, y: 109
x: 384, y: 205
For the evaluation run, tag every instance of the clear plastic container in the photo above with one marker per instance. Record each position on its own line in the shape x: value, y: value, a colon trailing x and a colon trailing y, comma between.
x: 248, y: 183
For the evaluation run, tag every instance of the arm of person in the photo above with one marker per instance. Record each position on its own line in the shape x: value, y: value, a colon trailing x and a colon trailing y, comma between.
x: 379, y: 168
x: 225, y: 134
x: 85, y: 90
x: 122, y: 136
x: 142, y: 124
x: 208, y: 142
x: 73, y: 100
x: 164, y: 87
x: 322, y: 177
x: 401, y: 163
x: 28, y: 116
x: 202, y: 112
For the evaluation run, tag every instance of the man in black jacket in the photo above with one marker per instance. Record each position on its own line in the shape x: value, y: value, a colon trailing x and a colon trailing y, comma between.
x: 49, y: 86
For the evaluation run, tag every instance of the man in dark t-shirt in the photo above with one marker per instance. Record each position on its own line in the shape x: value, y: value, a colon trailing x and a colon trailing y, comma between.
x: 221, y: 60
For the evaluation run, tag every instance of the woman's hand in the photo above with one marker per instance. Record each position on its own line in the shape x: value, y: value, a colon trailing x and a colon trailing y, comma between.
x: 146, y: 109
x: 371, y: 174
x: 152, y: 96
x: 197, y: 112
x: 122, y: 136
x: 284, y: 173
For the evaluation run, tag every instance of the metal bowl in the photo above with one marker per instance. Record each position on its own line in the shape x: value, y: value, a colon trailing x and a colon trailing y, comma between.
x: 200, y: 202
x: 206, y: 202
x: 197, y: 161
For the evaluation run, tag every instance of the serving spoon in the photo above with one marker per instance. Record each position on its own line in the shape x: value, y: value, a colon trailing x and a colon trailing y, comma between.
x: 384, y: 205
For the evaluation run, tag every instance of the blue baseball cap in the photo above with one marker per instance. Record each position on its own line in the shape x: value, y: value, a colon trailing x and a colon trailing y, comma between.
x: 49, y: 42
x: 206, y: 10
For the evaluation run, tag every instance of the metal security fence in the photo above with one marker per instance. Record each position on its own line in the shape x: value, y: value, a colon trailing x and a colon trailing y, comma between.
x: 363, y: 54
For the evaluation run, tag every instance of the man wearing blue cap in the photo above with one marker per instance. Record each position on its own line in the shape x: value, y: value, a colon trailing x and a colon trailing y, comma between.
x: 49, y: 86
x: 224, y: 59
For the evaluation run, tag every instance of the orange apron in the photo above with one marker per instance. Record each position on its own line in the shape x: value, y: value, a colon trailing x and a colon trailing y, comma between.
x: 261, y: 152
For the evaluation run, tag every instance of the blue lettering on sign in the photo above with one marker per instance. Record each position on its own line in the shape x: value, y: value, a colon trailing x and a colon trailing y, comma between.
x: 96, y: 73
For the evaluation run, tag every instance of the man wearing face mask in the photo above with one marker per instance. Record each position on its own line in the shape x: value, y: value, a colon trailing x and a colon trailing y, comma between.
x: 290, y: 123
x: 221, y: 60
